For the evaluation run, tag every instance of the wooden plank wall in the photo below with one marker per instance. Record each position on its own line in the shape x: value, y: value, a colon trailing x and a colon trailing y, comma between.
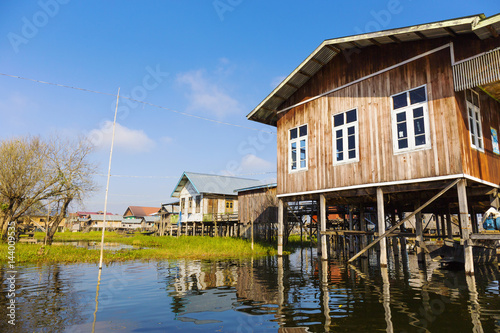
x: 259, y: 206
x: 483, y: 165
x: 371, y: 97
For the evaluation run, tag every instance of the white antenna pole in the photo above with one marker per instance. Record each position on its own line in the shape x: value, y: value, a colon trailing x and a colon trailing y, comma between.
x: 107, y: 183
x: 105, y: 213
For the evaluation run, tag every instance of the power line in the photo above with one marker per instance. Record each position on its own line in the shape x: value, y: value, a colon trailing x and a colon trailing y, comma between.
x: 138, y: 101
x: 175, y: 177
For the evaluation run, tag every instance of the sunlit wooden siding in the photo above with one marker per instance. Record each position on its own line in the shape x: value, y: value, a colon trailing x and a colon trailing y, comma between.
x: 258, y: 205
x: 371, y: 97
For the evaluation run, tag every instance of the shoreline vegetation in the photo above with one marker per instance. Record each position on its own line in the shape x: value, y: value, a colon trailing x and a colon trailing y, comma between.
x: 148, y: 248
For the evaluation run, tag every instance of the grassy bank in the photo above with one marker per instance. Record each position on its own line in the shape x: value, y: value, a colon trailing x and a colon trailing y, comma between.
x: 158, y: 248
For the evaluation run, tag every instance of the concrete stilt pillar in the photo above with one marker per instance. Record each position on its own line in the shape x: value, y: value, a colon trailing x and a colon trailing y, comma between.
x: 465, y: 226
x: 381, y: 226
x: 322, y: 214
x: 280, y: 227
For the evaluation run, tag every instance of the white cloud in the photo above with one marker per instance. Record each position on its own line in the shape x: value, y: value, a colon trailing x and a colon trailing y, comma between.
x: 130, y: 140
x: 166, y: 140
x: 253, y: 164
x: 276, y: 81
x: 206, y: 96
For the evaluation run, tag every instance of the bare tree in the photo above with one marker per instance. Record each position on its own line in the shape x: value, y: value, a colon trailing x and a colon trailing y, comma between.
x: 35, y: 172
x: 74, y: 173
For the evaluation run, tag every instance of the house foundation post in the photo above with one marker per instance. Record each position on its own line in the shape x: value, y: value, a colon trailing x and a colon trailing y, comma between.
x: 381, y: 226
x: 322, y: 236
x: 280, y: 227
x: 465, y: 225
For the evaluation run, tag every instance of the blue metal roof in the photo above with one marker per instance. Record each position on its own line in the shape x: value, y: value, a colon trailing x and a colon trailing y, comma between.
x: 213, y: 184
x: 132, y: 221
x: 257, y: 187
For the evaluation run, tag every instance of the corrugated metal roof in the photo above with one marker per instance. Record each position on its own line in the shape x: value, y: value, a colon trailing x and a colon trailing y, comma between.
x: 151, y: 218
x: 132, y: 221
x: 257, y: 187
x: 99, y: 217
x: 267, y: 111
x: 142, y: 211
x: 214, y: 184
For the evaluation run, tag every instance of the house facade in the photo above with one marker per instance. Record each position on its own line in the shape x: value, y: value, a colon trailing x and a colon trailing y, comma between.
x: 203, y: 197
x: 370, y: 120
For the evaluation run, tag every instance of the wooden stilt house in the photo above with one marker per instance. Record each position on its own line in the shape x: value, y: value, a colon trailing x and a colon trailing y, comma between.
x: 389, y: 120
x: 206, y: 200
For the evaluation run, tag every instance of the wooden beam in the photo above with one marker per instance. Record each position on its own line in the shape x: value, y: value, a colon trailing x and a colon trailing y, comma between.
x: 304, y: 73
x: 317, y: 61
x: 395, y: 39
x: 292, y: 85
x: 492, y: 30
x: 334, y: 48
x: 374, y: 41
x: 450, y: 31
x: 421, y: 35
x: 378, y: 239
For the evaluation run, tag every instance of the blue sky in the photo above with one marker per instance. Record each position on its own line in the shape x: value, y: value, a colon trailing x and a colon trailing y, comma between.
x: 213, y: 59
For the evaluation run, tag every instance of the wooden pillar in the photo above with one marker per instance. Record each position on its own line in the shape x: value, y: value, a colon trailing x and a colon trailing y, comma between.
x: 495, y: 200
x: 351, y: 237
x: 362, y: 226
x: 280, y: 227
x: 322, y: 214
x: 381, y: 226
x: 465, y: 226
x: 251, y: 232
x: 419, y: 234
x: 449, y: 226
x: 394, y: 240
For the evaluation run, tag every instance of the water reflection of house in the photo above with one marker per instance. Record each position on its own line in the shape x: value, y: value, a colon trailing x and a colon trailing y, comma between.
x: 215, y: 286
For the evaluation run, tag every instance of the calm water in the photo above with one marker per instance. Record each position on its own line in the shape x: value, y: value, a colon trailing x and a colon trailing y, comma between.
x: 259, y: 295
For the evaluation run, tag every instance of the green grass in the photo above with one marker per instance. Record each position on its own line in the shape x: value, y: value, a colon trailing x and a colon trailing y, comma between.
x: 157, y: 248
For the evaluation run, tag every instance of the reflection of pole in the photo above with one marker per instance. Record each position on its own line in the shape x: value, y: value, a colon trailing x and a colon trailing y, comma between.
x: 325, y: 294
x: 386, y: 294
x: 96, y: 300
x: 474, y: 307
x: 281, y: 288
x: 280, y: 227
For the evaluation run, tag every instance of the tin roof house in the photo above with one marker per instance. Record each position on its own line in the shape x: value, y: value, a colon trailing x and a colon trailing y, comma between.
x: 204, y: 196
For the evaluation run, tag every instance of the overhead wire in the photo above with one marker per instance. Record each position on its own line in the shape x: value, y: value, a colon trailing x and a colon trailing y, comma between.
x: 138, y: 101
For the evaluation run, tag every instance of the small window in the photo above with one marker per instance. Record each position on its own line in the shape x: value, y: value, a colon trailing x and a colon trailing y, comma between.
x: 475, y: 128
x: 410, y: 120
x: 198, y: 204
x: 298, y: 148
x: 345, y: 137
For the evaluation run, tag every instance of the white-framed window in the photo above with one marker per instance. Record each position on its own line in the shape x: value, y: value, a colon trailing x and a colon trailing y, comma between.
x: 345, y: 137
x: 475, y: 128
x: 410, y: 120
x: 297, y: 144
